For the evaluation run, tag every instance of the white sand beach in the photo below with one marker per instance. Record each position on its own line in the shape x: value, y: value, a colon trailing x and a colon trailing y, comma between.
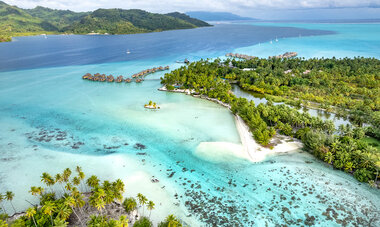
x: 256, y: 152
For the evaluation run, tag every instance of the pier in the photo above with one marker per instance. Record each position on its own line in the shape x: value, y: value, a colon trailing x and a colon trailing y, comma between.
x: 138, y: 77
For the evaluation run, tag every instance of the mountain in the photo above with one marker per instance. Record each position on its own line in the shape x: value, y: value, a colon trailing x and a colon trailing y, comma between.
x: 15, y: 21
x: 216, y: 16
x: 119, y: 21
x: 59, y: 18
x: 191, y: 20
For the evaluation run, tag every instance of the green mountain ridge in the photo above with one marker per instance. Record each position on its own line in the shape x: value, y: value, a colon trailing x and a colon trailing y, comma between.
x: 59, y: 18
x: 15, y: 21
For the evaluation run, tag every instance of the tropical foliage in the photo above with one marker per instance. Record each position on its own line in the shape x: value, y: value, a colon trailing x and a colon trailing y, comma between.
x: 70, y: 199
x: 15, y: 21
x: 344, y: 85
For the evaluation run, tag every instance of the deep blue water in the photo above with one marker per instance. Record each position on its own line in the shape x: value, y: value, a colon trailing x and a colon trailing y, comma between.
x: 50, y: 119
x: 63, y: 50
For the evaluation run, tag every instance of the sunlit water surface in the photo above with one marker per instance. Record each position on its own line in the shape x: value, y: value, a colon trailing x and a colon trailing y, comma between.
x: 51, y: 119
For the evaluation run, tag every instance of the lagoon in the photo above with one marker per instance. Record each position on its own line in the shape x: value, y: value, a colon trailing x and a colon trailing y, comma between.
x: 51, y: 119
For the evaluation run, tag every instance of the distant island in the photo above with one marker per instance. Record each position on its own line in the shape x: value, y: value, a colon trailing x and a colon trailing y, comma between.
x: 15, y: 21
x: 217, y: 16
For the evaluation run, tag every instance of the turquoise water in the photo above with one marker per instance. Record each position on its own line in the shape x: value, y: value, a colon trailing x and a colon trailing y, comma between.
x: 349, y: 40
x: 50, y: 119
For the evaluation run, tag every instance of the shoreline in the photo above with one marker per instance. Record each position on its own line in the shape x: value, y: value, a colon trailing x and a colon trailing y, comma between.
x: 252, y: 150
x: 258, y: 153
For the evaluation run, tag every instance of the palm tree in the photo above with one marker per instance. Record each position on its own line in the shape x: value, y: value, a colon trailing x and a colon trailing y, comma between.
x: 70, y: 202
x: 36, y: 190
x: 66, y: 175
x: 9, y: 196
x: 48, y: 209
x: 119, y: 185
x: 150, y: 207
x: 142, y: 200
x: 60, y: 223
x: 76, y: 181
x: 69, y: 187
x: 78, y: 169
x: 109, y: 197
x: 81, y: 176
x: 93, y: 181
x: 100, y: 204
x: 30, y: 214
x: 97, y: 199
x: 63, y: 213
x: 48, y: 180
x: 329, y: 157
x: 59, y: 179
x: 173, y: 221
x: 79, y: 201
x: 123, y: 221
x: 129, y: 204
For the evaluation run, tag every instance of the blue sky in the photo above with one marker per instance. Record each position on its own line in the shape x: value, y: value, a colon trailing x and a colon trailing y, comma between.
x: 263, y: 9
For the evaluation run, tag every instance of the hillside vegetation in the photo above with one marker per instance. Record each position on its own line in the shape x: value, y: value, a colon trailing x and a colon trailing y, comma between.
x: 15, y: 21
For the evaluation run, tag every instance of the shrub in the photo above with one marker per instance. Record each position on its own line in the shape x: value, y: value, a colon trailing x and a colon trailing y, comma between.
x: 129, y: 204
x: 363, y: 175
x: 170, y: 87
x: 143, y: 222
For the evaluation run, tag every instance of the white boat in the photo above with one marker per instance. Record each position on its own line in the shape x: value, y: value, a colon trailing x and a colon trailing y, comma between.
x: 276, y: 39
x: 128, y: 52
x: 271, y: 42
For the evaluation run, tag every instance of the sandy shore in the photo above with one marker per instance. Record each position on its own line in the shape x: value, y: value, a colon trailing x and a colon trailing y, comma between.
x: 251, y: 149
x: 256, y: 152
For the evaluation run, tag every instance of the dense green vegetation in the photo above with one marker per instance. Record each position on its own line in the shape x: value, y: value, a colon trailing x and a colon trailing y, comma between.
x: 196, y: 22
x: 343, y: 148
x: 15, y: 21
x: 58, y: 18
x: 332, y: 84
x: 77, y: 201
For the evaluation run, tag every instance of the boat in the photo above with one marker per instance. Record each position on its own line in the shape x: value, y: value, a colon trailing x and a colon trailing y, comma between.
x: 128, y: 52
x: 276, y: 39
x: 271, y: 42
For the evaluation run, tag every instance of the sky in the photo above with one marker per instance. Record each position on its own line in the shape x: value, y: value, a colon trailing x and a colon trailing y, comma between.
x: 261, y: 9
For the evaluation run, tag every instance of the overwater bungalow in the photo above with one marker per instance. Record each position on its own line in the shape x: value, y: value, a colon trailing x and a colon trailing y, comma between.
x: 138, y: 77
x: 110, y: 78
x: 86, y: 76
x: 286, y: 55
x: 119, y: 79
x: 241, y: 56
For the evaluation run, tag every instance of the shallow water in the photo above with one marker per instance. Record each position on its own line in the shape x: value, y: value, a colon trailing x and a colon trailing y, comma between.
x: 257, y: 99
x: 348, y: 40
x: 50, y: 118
